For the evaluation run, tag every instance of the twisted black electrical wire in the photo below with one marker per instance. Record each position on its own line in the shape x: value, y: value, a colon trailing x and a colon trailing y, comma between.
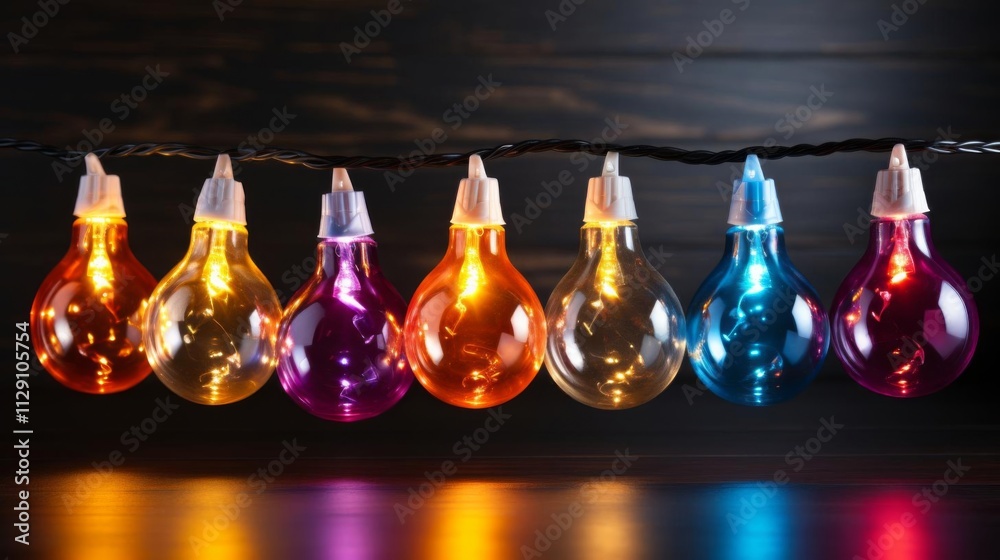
x: 664, y: 153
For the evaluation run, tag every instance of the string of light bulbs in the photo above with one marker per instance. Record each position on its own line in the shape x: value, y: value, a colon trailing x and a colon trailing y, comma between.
x: 663, y: 153
x: 613, y: 334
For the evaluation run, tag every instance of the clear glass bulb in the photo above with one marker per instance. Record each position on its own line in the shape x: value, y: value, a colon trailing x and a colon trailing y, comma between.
x: 615, y: 328
x: 87, y: 314
x: 341, y: 338
x: 475, y: 330
x: 904, y: 323
x: 757, y: 333
x: 212, y: 322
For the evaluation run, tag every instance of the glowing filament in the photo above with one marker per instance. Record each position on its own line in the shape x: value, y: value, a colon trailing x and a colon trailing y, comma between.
x: 900, y: 262
x: 609, y: 271
x: 99, y: 265
x: 83, y: 317
x: 757, y: 273
x: 216, y: 272
x: 471, y: 277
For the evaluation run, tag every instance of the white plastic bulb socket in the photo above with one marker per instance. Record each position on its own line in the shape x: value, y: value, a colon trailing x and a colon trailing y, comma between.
x: 100, y: 195
x: 478, y: 201
x: 899, y: 190
x: 345, y: 213
x: 609, y: 197
x: 755, y: 200
x: 222, y: 198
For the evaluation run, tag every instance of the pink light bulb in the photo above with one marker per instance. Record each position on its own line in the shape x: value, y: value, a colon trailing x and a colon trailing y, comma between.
x: 904, y: 323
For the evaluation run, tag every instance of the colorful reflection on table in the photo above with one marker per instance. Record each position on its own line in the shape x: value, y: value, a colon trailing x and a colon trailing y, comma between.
x: 126, y: 515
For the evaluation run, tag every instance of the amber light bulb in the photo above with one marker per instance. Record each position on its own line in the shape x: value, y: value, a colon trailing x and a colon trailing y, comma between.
x: 86, y: 317
x: 212, y: 323
x: 475, y: 330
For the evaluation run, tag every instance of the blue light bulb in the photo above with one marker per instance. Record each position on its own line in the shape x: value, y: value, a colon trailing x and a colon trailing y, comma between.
x: 757, y: 333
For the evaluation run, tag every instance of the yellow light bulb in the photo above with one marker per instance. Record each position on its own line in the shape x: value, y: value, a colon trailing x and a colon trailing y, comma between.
x: 212, y: 322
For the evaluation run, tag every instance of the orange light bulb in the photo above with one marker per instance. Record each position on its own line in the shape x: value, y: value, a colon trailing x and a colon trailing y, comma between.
x: 86, y: 317
x: 475, y: 330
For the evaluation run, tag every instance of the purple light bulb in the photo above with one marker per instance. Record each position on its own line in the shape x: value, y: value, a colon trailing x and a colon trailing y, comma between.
x: 340, y: 344
x: 904, y: 324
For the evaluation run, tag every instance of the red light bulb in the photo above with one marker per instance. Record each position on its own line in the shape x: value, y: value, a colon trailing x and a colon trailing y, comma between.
x: 86, y: 317
x: 904, y: 323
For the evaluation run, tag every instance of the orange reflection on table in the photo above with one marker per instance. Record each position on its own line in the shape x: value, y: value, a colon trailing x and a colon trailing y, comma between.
x: 609, y: 526
x: 470, y: 519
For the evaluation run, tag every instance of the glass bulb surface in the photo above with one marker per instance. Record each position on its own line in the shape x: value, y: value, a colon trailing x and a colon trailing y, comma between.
x: 757, y: 333
x: 475, y: 330
x: 615, y: 328
x: 904, y: 323
x: 340, y: 345
x: 86, y: 318
x: 212, y: 322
